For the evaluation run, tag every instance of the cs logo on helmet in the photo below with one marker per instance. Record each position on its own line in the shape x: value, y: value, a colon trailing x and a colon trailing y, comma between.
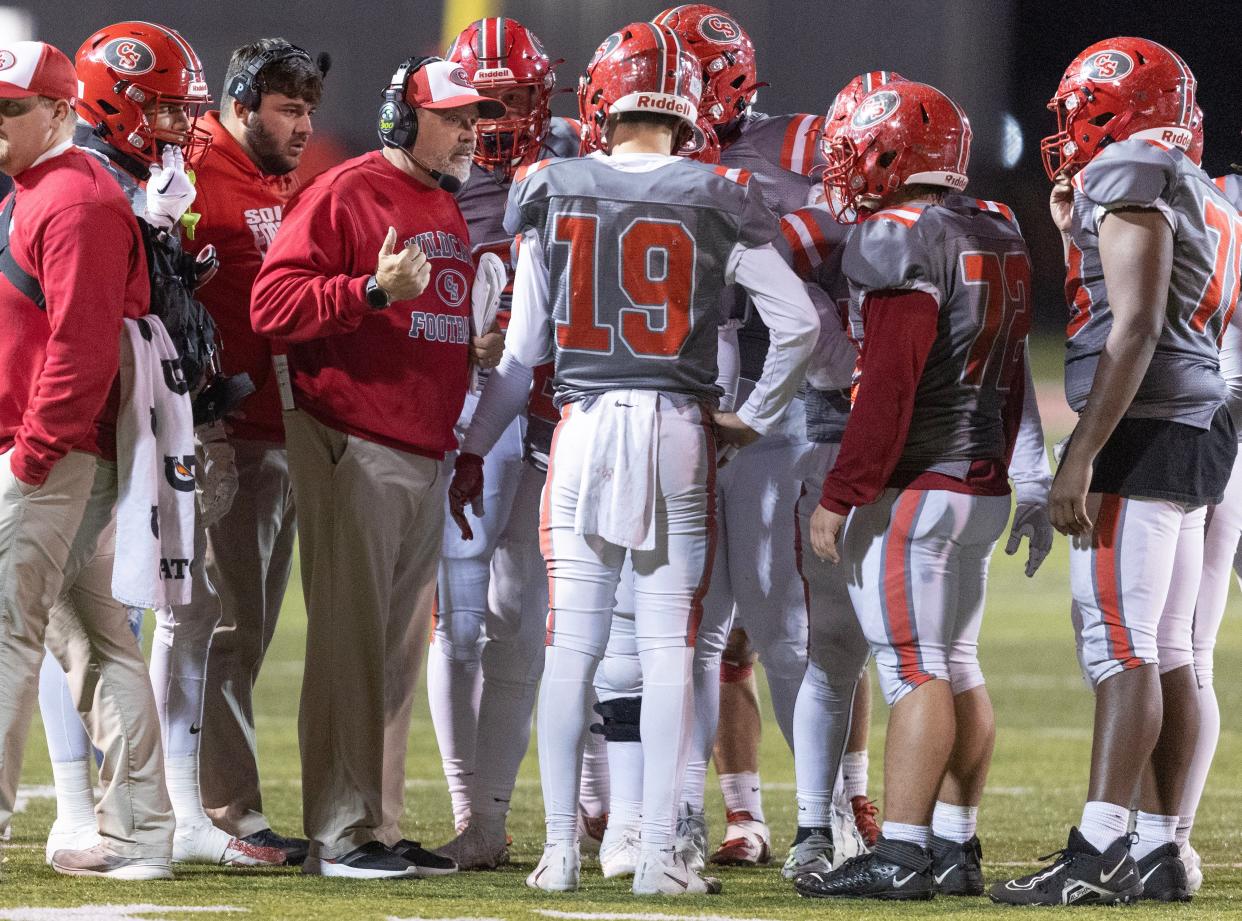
x: 7, y: 59
x: 451, y: 286
x: 875, y: 108
x: 129, y: 56
x: 1107, y: 65
x: 611, y: 43
x: 719, y: 29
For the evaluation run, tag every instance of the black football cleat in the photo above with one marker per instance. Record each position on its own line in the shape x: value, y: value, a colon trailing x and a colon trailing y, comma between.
x: 426, y: 863
x: 1080, y: 875
x: 295, y: 848
x: 957, y: 868
x: 1164, y: 875
x: 892, y: 870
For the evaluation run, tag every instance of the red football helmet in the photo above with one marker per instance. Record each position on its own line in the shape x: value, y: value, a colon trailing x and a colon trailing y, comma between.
x: 499, y: 55
x: 1118, y: 88
x: 901, y: 134
x: 847, y: 100
x: 642, y: 67
x: 704, y: 146
x: 126, y: 72
x: 1195, y: 151
x: 726, y: 54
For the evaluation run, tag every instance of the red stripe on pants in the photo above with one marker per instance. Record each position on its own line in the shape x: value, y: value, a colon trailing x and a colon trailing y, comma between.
x: 898, y: 609
x: 1105, y: 544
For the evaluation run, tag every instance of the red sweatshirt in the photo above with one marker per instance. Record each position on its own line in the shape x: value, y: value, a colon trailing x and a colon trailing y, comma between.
x: 73, y: 230
x: 241, y: 210
x: 901, y: 330
x: 396, y: 376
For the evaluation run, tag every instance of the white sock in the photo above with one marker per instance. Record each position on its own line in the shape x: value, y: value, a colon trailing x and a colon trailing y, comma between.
x: 665, y: 727
x: 453, y: 690
x: 955, y: 823
x: 505, y: 711
x: 593, y: 788
x: 1184, y: 825
x: 1103, y: 823
x: 914, y: 834
x: 1201, y: 760
x: 854, y: 770
x: 179, y: 678
x: 181, y: 775
x: 743, y: 793
x: 821, y: 724
x: 75, y: 797
x: 692, y: 790
x: 814, y: 809
x: 625, y: 769
x: 1153, y: 832
x: 564, y: 697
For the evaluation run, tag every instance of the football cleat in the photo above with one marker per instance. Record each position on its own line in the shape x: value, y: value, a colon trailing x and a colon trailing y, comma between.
x: 1164, y: 875
x: 424, y: 862
x: 892, y: 870
x: 64, y: 837
x: 958, y: 868
x: 618, y: 855
x: 692, y: 836
x: 1194, y: 867
x: 204, y: 843
x: 591, y: 831
x: 813, y: 854
x: 372, y: 860
x: 847, y: 840
x: 100, y: 861
x: 476, y: 849
x: 1080, y: 875
x: 295, y: 848
x: 558, y: 869
x: 865, y: 813
x: 745, y: 842
x: 665, y: 872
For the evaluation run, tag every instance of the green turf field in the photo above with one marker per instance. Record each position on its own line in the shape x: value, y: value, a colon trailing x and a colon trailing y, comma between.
x: 1037, y: 784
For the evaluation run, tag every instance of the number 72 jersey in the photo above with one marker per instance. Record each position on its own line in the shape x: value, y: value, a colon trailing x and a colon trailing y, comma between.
x: 637, y: 250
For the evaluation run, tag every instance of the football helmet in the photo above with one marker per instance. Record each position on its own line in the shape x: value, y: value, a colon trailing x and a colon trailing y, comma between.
x: 130, y: 69
x: 846, y: 101
x: 901, y: 134
x: 1195, y: 151
x: 642, y: 67
x: 704, y: 146
x: 1117, y: 89
x: 500, y: 54
x: 725, y: 53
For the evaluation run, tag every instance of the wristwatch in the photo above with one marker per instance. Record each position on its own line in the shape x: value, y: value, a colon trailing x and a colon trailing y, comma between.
x: 376, y: 296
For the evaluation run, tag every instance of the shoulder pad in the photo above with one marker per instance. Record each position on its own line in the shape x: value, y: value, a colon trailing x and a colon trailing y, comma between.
x: 808, y: 237
x: 886, y: 252
x: 740, y: 176
x: 563, y: 137
x: 800, y: 144
x: 1135, y: 172
x: 530, y: 169
x: 906, y: 215
x: 1231, y: 185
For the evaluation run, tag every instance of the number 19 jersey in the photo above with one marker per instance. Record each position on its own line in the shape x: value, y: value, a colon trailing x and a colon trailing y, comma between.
x: 637, y: 248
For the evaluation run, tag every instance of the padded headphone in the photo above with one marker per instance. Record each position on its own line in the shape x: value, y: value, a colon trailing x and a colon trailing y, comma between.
x: 398, y: 125
x: 245, y: 86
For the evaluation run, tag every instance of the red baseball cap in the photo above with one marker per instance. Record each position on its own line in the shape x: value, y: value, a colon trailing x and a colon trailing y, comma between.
x: 36, y: 69
x: 446, y: 85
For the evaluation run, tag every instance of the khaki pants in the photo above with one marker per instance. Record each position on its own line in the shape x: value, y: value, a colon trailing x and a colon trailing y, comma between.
x: 370, y: 521
x: 56, y: 553
x: 249, y: 555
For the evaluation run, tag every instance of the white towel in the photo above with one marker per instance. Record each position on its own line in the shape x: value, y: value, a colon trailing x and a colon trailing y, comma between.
x: 618, y: 494
x: 155, y: 472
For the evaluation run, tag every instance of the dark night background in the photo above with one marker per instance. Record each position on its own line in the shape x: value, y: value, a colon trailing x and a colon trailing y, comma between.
x: 997, y: 57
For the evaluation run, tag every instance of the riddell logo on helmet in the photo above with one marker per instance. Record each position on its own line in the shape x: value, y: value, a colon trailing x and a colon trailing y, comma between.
x: 719, y: 29
x: 665, y: 104
x: 1107, y: 66
x: 1177, y: 137
x: 129, y: 55
x: 493, y: 73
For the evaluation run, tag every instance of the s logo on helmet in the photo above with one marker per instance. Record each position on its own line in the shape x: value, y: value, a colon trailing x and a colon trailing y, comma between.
x: 719, y: 29
x: 1107, y: 66
x: 875, y: 108
x: 451, y: 286
x: 129, y: 56
x: 611, y: 43
x: 7, y: 59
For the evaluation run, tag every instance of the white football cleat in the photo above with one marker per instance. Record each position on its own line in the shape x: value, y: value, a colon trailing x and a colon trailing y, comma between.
x: 1194, y: 867
x: 65, y: 837
x: 591, y: 831
x: 204, y: 843
x: 618, y: 855
x: 558, y: 869
x: 692, y: 836
x: 813, y: 855
x: 476, y: 849
x: 665, y: 872
x: 847, y: 840
x: 745, y: 843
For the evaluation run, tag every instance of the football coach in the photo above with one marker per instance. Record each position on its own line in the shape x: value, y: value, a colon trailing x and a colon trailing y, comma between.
x: 369, y: 282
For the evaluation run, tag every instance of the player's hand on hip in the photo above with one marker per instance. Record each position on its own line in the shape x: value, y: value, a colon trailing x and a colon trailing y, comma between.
x: 731, y: 430
x: 466, y: 489
x: 825, y: 530
x: 402, y: 274
x: 1067, y: 501
x: 1061, y: 204
x: 1030, y: 520
x: 485, y: 350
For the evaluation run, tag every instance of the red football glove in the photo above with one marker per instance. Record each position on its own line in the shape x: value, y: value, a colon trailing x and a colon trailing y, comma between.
x: 467, y: 487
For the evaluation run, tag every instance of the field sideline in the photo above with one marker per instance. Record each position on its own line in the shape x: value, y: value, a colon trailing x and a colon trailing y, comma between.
x: 1035, y: 792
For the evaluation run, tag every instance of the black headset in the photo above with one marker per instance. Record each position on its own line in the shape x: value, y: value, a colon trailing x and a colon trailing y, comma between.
x: 398, y: 125
x: 245, y: 87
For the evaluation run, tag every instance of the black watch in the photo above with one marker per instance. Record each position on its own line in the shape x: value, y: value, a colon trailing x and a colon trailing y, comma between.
x: 376, y: 296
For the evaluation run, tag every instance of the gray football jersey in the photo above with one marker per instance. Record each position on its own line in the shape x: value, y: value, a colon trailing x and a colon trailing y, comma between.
x: 1183, y: 382
x: 1231, y: 339
x: 636, y: 263
x: 969, y: 254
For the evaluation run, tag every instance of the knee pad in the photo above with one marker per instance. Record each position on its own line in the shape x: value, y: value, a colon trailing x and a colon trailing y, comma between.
x: 619, y: 675
x: 621, y: 718
x: 965, y: 676
x: 459, y: 635
x: 784, y: 661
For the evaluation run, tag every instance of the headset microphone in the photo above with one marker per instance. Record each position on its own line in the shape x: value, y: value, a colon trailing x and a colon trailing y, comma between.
x: 450, y: 184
